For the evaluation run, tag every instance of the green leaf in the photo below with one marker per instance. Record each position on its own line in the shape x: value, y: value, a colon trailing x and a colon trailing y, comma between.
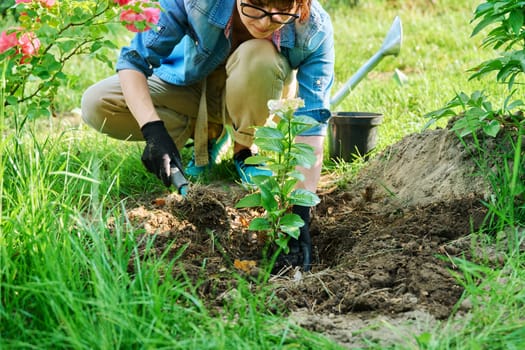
x: 268, y: 133
x: 268, y: 200
x: 260, y: 224
x: 297, y: 175
x: 50, y: 63
x: 291, y: 220
x: 262, y: 181
x: 66, y: 45
x: 486, y: 22
x: 42, y: 73
x: 78, y: 15
x: 484, y: 68
x: 61, y: 76
x: 283, y: 126
x: 104, y: 59
x: 302, y: 123
x: 276, y: 168
x: 505, y: 72
x: 441, y: 113
x: 250, y: 201
x: 516, y: 20
x: 12, y: 100
x: 97, y: 45
x: 288, y: 186
x: 466, y: 126
x: 291, y: 231
x: 477, y: 113
x: 290, y: 224
x: 302, y: 148
x: 482, y: 9
x: 255, y: 160
x: 270, y: 145
x: 282, y: 242
x: 303, y: 154
x: 476, y: 99
x: 514, y: 104
x: 492, y: 128
x: 304, y: 197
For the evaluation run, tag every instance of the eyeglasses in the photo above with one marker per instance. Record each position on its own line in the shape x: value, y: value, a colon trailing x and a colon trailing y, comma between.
x: 276, y: 17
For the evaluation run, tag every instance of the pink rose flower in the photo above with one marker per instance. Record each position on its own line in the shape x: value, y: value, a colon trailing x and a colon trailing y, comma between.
x: 7, y: 41
x: 152, y: 14
x: 29, y: 45
x: 122, y: 2
x: 48, y: 3
x: 25, y: 43
x: 23, y: 1
x: 130, y: 17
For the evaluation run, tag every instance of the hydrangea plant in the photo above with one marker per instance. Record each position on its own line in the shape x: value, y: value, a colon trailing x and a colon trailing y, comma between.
x: 278, y: 193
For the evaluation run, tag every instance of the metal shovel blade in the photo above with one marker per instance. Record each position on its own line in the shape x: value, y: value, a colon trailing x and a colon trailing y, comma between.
x: 391, y: 46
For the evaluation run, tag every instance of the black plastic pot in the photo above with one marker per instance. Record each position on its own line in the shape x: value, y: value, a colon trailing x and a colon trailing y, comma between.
x: 352, y: 134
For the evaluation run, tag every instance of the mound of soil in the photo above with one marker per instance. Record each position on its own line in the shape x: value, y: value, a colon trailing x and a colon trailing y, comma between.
x: 383, y: 244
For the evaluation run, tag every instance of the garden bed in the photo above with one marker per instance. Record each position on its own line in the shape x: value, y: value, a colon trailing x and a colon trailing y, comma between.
x: 383, y: 244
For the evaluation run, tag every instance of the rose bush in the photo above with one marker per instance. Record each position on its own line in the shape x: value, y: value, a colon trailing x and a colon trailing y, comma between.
x: 130, y: 18
x: 25, y: 44
x: 43, y: 35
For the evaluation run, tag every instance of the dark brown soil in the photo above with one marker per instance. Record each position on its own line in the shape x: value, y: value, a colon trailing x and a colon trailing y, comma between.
x: 383, y: 243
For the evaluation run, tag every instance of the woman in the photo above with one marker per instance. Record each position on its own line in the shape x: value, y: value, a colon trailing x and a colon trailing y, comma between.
x: 211, y: 63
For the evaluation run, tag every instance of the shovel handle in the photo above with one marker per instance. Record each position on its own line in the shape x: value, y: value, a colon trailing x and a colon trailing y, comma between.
x: 179, y: 181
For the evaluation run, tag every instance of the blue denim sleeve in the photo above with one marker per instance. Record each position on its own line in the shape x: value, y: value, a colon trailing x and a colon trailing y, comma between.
x: 315, y: 78
x: 148, y: 48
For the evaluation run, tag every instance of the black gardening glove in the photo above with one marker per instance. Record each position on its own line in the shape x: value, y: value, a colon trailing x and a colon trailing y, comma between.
x: 160, y: 154
x: 300, y: 253
x: 304, y: 244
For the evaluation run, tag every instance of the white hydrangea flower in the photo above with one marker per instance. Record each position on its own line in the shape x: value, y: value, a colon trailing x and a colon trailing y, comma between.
x: 285, y: 104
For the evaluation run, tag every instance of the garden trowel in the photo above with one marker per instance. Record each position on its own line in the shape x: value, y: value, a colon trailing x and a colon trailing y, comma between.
x: 179, y: 181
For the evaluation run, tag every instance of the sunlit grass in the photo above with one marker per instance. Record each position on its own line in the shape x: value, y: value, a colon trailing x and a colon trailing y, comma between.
x: 436, y: 53
x: 65, y: 274
x: 496, y: 295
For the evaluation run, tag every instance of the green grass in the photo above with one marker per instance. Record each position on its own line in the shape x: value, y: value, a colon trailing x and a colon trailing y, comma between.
x: 497, y: 296
x: 64, y: 274
x: 64, y: 280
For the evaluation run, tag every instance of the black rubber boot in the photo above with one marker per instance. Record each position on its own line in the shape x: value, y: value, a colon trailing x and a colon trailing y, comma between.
x: 300, y: 253
x: 304, y: 241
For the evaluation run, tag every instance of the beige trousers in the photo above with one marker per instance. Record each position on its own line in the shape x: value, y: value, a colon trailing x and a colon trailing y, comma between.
x: 235, y: 94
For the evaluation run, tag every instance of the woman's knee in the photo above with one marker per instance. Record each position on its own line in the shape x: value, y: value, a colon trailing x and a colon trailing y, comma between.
x: 103, y: 101
x: 259, y: 57
x: 91, y: 106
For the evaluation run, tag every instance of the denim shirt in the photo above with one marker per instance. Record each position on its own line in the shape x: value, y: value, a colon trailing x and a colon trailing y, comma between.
x: 191, y: 41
